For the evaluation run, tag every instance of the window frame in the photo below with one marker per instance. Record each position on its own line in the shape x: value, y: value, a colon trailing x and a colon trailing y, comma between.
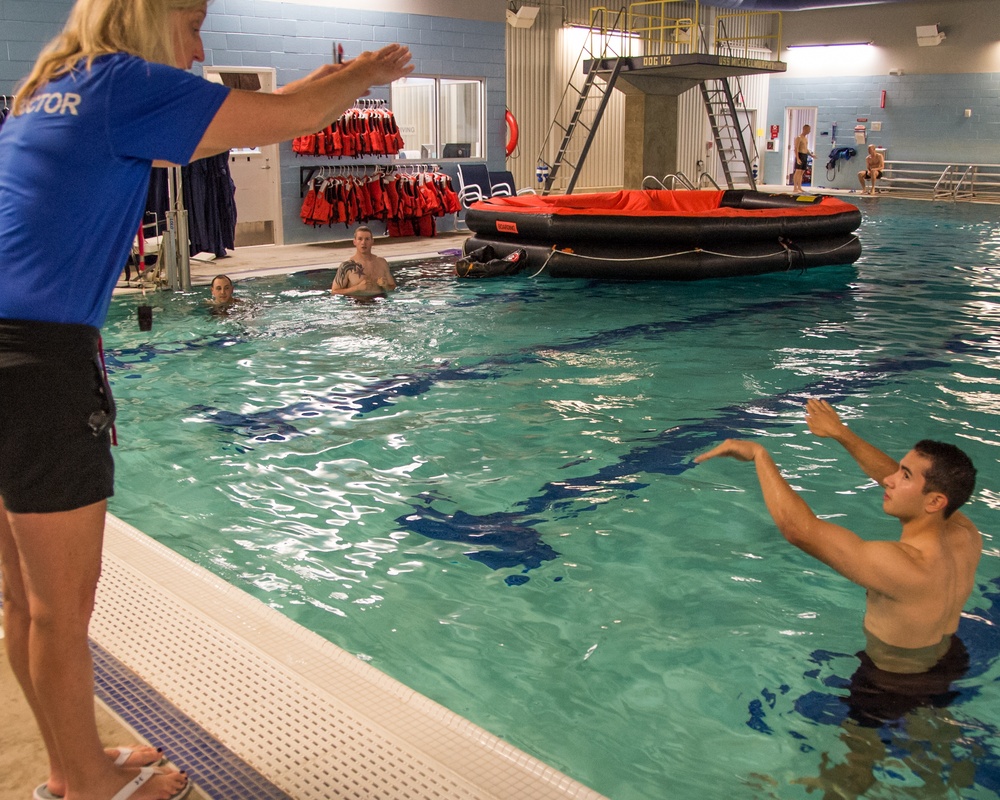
x: 438, y: 84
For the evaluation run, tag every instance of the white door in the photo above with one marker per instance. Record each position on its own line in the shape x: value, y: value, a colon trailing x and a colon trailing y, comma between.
x: 795, y: 118
x: 255, y: 171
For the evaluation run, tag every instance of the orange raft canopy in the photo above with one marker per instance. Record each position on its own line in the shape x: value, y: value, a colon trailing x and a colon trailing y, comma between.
x: 668, y: 235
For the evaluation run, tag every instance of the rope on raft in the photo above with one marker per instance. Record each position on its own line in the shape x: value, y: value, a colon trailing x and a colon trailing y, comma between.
x: 787, y: 247
x: 544, y: 265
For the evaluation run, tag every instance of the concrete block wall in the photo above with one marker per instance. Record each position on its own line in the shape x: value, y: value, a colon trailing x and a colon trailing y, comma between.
x: 923, y: 119
x: 25, y: 25
x: 927, y: 88
x: 296, y: 39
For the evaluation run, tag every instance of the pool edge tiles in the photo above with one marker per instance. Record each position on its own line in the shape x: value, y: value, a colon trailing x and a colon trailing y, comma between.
x: 313, y: 719
x: 215, y: 770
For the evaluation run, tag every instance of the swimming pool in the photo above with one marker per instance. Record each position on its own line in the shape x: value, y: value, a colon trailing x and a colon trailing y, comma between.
x: 485, y: 490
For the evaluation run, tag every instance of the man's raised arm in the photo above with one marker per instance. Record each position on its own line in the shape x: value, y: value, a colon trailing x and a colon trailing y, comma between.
x: 825, y: 422
x: 882, y: 566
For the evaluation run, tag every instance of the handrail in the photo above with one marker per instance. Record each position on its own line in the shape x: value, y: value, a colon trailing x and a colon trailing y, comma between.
x: 945, y: 175
x: 680, y: 177
x: 659, y: 33
x: 711, y: 180
x: 770, y: 41
x: 937, y: 163
x: 651, y: 25
x: 605, y: 30
x: 973, y: 170
x: 746, y: 135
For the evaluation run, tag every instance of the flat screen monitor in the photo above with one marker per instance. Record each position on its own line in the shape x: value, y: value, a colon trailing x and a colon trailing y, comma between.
x: 457, y: 150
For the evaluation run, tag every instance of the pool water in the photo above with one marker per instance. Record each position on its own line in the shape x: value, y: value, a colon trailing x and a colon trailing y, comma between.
x: 485, y: 489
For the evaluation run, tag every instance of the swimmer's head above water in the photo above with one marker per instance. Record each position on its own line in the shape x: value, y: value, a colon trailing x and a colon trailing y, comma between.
x: 222, y: 290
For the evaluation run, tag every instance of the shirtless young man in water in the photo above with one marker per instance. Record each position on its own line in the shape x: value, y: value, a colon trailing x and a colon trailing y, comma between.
x: 918, y: 585
x: 364, y: 274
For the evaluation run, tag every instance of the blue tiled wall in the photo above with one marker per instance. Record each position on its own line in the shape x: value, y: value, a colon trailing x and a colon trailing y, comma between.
x: 923, y: 119
x: 295, y: 39
x: 25, y: 25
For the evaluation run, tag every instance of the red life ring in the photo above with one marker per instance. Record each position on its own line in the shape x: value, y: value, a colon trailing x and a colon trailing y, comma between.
x: 512, y: 125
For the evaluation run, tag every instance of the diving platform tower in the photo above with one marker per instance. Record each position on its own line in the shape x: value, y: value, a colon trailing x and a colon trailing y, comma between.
x: 652, y: 54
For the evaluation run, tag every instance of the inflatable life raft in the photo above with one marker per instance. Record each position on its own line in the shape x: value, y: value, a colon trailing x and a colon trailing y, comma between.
x: 667, y: 235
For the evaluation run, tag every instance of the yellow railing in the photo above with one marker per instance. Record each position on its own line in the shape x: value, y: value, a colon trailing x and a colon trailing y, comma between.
x: 611, y: 30
x: 655, y: 27
x: 742, y: 34
x: 659, y: 31
x: 602, y: 18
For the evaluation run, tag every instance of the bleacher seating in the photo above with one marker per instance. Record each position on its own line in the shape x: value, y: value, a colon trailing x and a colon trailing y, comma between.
x: 941, y: 181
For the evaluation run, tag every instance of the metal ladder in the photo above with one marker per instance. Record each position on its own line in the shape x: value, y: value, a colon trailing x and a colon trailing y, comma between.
x: 600, y: 80
x: 735, y: 144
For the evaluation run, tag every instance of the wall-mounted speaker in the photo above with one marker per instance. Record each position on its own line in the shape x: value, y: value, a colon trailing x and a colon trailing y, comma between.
x: 929, y: 35
x: 524, y: 17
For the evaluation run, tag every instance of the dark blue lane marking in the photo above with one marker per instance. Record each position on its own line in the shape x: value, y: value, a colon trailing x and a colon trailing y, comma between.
x: 258, y: 427
x: 667, y: 453
x: 975, y: 740
x: 125, y: 358
x: 517, y: 543
x: 657, y: 330
x: 277, y: 424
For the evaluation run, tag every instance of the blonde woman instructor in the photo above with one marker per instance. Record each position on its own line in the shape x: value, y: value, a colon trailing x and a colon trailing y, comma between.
x: 109, y: 97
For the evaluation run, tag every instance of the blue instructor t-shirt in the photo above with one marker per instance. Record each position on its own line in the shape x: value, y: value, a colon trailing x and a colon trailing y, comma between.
x: 74, y: 174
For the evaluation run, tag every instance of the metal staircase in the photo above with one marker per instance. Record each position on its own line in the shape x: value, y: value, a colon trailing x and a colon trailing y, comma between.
x: 582, y: 106
x: 735, y: 140
x: 658, y: 35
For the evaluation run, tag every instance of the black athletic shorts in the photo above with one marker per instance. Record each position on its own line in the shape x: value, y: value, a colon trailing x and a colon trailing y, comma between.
x: 878, y: 697
x: 56, y: 413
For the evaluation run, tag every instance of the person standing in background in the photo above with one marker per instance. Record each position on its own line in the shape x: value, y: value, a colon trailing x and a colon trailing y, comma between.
x: 802, y: 153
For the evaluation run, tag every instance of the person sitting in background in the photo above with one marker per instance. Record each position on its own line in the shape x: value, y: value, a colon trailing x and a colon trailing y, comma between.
x: 874, y: 167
